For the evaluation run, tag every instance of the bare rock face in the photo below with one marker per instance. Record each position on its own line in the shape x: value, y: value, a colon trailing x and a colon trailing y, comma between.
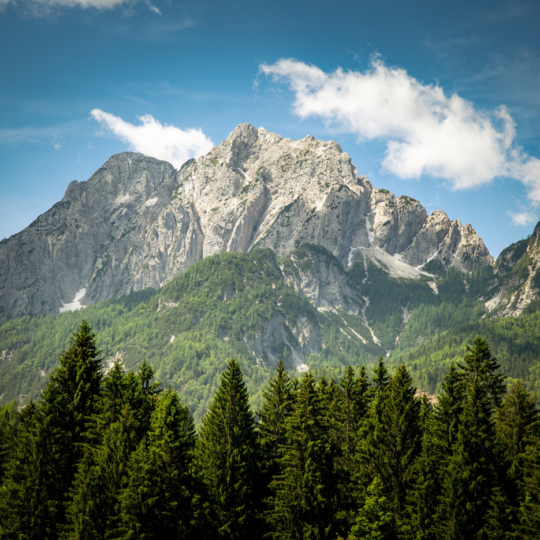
x: 138, y: 222
x: 455, y: 245
x: 516, y: 278
x: 317, y: 274
x: 275, y: 341
x: 82, y: 240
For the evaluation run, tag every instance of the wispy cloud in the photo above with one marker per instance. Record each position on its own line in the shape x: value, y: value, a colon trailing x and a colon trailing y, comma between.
x: 38, y: 134
x: 47, y: 7
x: 426, y: 131
x: 512, y: 11
x: 158, y: 140
x: 522, y: 219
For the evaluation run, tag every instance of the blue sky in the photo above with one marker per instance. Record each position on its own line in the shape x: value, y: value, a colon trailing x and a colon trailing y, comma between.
x: 436, y: 100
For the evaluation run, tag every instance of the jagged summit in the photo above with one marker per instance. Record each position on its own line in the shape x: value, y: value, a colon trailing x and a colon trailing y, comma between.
x: 138, y: 222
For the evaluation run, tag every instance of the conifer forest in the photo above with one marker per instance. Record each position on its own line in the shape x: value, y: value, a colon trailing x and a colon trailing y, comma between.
x: 106, y: 454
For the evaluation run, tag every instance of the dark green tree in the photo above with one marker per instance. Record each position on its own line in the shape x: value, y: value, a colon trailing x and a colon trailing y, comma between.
x: 440, y: 429
x: 351, y: 407
x: 125, y: 402
x: 227, y: 457
x: 51, y: 442
x: 517, y: 423
x: 518, y: 434
x: 275, y: 409
x: 306, y: 490
x: 392, y: 440
x: 29, y: 508
x: 157, y: 501
x: 374, y: 520
x: 471, y: 484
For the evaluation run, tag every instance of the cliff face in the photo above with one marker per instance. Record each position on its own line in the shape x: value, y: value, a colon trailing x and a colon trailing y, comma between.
x: 81, y: 241
x: 516, y: 281
x: 138, y: 222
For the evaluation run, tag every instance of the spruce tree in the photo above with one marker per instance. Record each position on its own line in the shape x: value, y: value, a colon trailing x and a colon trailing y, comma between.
x: 440, y: 428
x: 69, y: 400
x: 227, y: 457
x: 517, y: 424
x: 447, y: 413
x: 94, y: 506
x: 529, y: 510
x: 352, y: 404
x: 392, y: 440
x: 374, y: 520
x: 51, y: 441
x: 275, y: 409
x: 114, y: 432
x: 346, y: 417
x: 29, y: 508
x: 423, y: 497
x: 518, y: 434
x: 471, y: 486
x: 380, y: 377
x: 305, y: 491
x: 157, y: 501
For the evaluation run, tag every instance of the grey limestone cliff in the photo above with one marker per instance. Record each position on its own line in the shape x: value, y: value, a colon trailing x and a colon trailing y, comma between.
x: 138, y: 222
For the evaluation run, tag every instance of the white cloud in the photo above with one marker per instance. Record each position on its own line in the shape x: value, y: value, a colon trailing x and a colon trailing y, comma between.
x: 45, y: 7
x: 427, y: 132
x: 158, y: 140
x: 522, y: 218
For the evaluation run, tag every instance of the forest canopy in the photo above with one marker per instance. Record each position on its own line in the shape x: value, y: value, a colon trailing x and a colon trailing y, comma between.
x: 106, y: 453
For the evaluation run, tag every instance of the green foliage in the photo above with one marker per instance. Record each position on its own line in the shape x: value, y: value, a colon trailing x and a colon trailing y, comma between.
x: 186, y: 331
x: 227, y: 456
x: 374, y: 520
x: 515, y: 342
x: 222, y: 305
x: 108, y: 455
x: 49, y: 444
x: 305, y: 487
x: 158, y: 498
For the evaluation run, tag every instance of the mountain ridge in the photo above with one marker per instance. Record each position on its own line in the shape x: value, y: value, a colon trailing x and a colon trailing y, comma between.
x: 138, y: 222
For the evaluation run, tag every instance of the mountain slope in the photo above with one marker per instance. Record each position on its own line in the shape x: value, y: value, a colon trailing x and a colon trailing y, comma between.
x: 303, y: 307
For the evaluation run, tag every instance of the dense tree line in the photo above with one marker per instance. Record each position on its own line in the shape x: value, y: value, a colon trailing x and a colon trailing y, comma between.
x: 112, y: 455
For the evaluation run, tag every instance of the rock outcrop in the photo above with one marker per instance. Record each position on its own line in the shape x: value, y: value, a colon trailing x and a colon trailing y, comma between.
x: 138, y: 222
x: 516, y: 280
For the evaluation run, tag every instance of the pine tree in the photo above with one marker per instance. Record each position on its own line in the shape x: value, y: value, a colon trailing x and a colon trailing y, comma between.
x: 517, y: 423
x: 374, y: 520
x: 529, y: 510
x: 470, y: 485
x: 424, y: 495
x: 157, y: 501
x: 440, y: 429
x: 392, y: 439
x: 51, y: 441
x: 94, y: 506
x: 352, y: 405
x: 381, y: 377
x: 275, y: 408
x: 69, y: 401
x: 306, y: 488
x: 28, y: 508
x: 447, y: 413
x: 518, y: 430
x: 345, y: 418
x: 227, y: 457
x: 114, y: 432
x: 481, y: 367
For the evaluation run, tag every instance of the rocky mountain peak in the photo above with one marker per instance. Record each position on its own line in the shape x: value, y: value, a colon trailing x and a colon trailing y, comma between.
x: 137, y: 222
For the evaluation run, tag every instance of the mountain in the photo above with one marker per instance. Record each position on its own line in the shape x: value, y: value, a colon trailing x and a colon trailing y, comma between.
x: 265, y: 248
x: 256, y: 307
x: 138, y: 222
